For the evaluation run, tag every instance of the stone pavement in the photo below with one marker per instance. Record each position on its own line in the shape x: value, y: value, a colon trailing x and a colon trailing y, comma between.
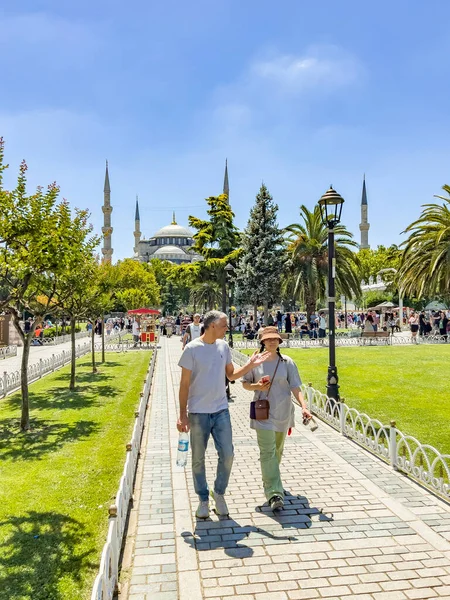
x: 13, y: 363
x: 351, y: 526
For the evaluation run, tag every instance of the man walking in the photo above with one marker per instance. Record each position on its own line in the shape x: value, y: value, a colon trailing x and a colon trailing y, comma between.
x: 204, y: 406
x: 193, y: 331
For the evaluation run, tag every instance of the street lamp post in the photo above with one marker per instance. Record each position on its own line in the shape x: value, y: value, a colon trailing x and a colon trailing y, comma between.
x: 229, y: 269
x: 331, y: 209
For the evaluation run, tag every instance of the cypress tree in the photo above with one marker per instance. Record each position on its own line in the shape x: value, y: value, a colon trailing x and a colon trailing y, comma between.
x: 260, y: 267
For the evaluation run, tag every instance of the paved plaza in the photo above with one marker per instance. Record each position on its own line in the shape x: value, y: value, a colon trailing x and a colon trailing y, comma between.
x: 351, y: 527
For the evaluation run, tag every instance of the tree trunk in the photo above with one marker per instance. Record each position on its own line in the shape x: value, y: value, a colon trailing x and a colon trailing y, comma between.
x: 26, y: 339
x: 103, y: 338
x: 94, y: 366
x: 266, y: 313
x: 73, y: 357
x: 255, y: 315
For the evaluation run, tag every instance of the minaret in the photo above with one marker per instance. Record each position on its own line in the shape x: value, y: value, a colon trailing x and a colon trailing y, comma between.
x: 364, y: 225
x: 137, y: 229
x: 226, y: 187
x: 107, y: 230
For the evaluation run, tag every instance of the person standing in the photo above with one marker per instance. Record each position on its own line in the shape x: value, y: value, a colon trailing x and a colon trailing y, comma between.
x: 414, y: 326
x: 193, y: 330
x: 204, y: 407
x: 135, y: 330
x: 276, y: 379
x: 322, y: 326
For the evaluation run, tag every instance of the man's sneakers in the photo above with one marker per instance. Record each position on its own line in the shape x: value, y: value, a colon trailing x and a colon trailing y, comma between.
x: 220, y: 507
x: 202, y: 510
x: 276, y: 502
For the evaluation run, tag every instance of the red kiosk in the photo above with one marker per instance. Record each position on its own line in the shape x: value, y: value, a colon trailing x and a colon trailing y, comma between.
x: 147, y: 323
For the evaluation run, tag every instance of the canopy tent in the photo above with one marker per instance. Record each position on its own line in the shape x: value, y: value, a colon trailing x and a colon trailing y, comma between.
x: 144, y: 311
x: 436, y: 305
x: 383, y: 306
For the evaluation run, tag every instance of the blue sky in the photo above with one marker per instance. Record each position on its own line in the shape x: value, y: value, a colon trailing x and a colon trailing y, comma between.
x: 295, y: 93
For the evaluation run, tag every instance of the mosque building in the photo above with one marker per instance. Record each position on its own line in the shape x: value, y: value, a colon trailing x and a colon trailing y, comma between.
x: 173, y: 242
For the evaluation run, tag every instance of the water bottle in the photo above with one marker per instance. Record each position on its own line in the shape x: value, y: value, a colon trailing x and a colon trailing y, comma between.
x: 183, y: 446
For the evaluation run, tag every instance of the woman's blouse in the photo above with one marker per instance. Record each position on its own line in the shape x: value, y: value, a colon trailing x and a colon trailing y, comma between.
x: 282, y: 410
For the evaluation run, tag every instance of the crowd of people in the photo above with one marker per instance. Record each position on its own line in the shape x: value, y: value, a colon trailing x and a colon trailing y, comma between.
x: 296, y: 324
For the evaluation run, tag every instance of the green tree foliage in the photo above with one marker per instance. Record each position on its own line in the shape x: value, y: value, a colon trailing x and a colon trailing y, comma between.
x: 262, y: 260
x: 39, y: 242
x: 425, y: 267
x: 207, y: 295
x: 217, y: 240
x: 307, y: 272
x: 136, y: 286
x: 175, y: 282
x: 371, y: 262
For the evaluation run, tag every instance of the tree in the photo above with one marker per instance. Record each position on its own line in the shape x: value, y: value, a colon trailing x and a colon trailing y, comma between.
x: 175, y: 282
x: 307, y: 272
x: 136, y: 286
x: 99, y: 300
x: 371, y: 262
x: 36, y: 241
x: 217, y: 240
x: 262, y: 261
x: 76, y: 290
x: 425, y: 266
x: 207, y: 294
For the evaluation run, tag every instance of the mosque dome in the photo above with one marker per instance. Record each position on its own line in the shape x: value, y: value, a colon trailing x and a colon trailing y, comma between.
x: 167, y: 252
x: 173, y: 230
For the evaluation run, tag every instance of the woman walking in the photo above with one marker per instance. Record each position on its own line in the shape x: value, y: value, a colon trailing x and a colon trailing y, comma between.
x: 414, y: 326
x: 274, y: 379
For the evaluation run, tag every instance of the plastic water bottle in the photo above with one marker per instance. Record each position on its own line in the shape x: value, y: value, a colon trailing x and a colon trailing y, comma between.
x: 183, y: 447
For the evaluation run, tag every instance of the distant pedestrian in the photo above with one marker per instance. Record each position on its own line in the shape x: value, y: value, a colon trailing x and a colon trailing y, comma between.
x: 204, y: 406
x: 135, y: 329
x: 414, y: 326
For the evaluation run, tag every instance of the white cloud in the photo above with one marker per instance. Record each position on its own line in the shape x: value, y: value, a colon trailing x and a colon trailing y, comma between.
x: 319, y: 66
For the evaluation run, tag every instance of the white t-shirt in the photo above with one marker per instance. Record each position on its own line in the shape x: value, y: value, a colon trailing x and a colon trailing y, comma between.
x: 207, y: 362
x: 135, y: 328
x: 322, y: 323
x: 194, y: 330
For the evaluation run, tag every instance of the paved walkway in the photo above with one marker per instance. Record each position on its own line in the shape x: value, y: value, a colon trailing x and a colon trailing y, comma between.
x: 13, y: 363
x: 351, y: 528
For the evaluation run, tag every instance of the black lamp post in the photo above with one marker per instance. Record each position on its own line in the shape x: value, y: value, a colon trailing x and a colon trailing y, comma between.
x: 229, y: 269
x: 330, y: 210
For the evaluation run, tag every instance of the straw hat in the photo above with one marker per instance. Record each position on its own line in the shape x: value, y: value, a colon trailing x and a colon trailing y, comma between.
x: 270, y: 333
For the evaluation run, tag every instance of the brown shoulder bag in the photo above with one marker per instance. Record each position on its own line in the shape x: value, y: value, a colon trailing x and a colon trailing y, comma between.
x: 259, y: 409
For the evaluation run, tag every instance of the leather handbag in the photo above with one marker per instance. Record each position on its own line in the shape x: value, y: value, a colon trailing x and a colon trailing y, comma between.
x: 259, y: 409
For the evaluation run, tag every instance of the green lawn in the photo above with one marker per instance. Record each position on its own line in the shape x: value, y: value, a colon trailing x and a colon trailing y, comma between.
x: 407, y: 384
x: 57, y: 481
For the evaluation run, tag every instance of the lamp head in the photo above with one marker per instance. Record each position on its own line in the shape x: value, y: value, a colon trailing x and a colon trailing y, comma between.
x: 331, y: 208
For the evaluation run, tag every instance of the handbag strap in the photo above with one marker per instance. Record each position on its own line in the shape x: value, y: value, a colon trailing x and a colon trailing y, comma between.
x: 271, y: 381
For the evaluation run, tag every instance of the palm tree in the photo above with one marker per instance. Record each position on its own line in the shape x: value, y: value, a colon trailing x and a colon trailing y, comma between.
x: 307, y: 274
x: 425, y: 267
x: 208, y: 294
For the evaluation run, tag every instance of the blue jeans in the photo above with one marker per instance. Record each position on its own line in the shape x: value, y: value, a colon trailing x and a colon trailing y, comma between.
x: 219, y: 426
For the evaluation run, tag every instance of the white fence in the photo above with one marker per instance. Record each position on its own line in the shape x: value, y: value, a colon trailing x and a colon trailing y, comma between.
x: 422, y: 462
x: 10, y: 382
x: 106, y: 582
x: 306, y: 342
x: 8, y: 351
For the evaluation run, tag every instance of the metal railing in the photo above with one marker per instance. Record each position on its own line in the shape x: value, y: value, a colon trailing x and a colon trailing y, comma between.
x: 106, y: 582
x: 422, y: 462
x: 306, y: 342
x: 10, y: 382
x: 8, y: 351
